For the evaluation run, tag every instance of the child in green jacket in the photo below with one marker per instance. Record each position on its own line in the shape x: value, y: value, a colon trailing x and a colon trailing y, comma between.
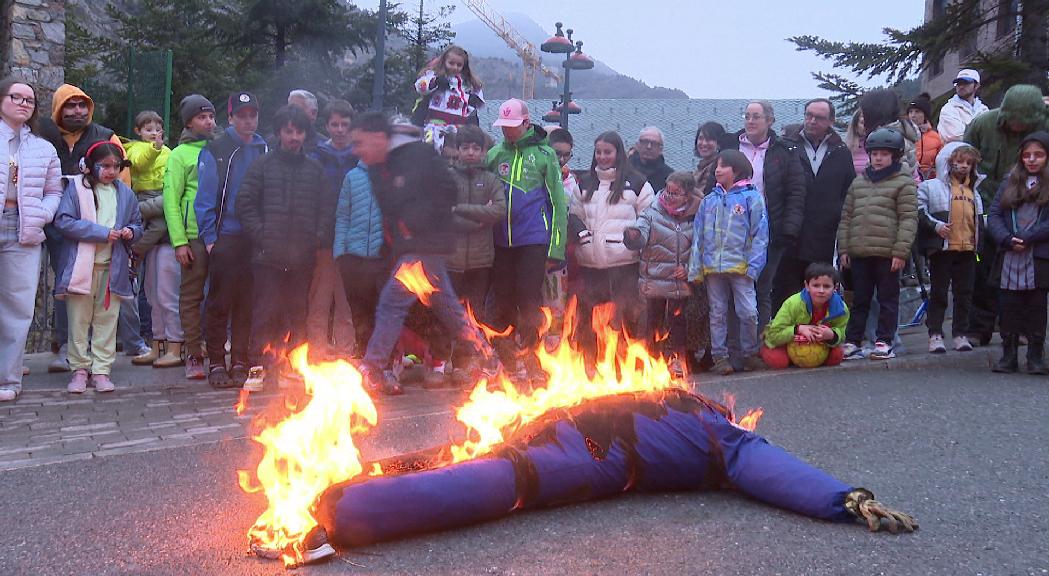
x: 809, y: 328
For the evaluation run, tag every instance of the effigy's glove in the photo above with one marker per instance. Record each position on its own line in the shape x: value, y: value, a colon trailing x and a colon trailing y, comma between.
x: 861, y: 504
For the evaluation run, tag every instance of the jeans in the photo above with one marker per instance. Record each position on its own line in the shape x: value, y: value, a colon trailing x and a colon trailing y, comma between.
x: 396, y: 300
x: 741, y: 288
x: 60, y: 321
x: 129, y: 330
x: 956, y: 270
x: 869, y: 274
x: 765, y: 284
x: 19, y: 276
x: 228, y: 304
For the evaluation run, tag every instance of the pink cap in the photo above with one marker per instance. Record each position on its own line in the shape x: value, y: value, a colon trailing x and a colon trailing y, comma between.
x: 513, y: 112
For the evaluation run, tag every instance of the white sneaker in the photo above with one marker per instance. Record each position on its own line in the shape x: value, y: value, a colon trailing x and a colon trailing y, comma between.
x: 882, y: 351
x: 850, y: 351
x: 962, y: 344
x: 936, y: 344
x: 61, y: 362
x: 256, y: 376
x: 7, y: 395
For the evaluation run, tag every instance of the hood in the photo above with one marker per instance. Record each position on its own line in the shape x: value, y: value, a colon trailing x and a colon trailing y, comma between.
x: 64, y: 93
x: 326, y: 147
x: 398, y: 140
x: 187, y: 135
x: 738, y: 187
x: 256, y: 139
x: 1023, y: 103
x: 835, y: 306
x: 533, y: 136
x: 943, y: 171
x: 908, y: 129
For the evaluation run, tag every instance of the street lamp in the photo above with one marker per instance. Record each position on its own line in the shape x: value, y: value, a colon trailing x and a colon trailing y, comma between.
x: 574, y: 60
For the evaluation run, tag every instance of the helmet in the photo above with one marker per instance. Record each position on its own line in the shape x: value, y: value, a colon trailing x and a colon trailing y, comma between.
x: 885, y: 139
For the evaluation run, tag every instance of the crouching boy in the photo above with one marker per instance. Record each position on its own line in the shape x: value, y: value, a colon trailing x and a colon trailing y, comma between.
x: 809, y: 329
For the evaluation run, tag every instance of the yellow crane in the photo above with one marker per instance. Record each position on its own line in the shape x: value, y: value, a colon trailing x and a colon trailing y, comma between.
x: 527, y: 51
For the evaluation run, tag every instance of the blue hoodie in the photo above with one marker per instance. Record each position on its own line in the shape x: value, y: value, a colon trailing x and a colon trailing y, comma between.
x: 336, y: 163
x: 212, y: 187
x: 731, y: 233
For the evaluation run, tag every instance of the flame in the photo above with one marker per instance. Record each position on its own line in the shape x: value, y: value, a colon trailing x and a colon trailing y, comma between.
x: 488, y: 331
x: 242, y: 402
x: 414, y: 278
x: 750, y: 421
x: 376, y: 469
x: 307, y: 452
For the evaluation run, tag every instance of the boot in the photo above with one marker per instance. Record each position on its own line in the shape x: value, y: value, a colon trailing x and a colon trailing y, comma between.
x: 1009, y: 363
x: 172, y: 356
x: 149, y: 357
x: 1036, y: 355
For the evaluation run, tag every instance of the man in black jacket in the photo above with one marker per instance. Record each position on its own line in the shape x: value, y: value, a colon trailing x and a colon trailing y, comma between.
x: 779, y: 178
x: 827, y: 164
x: 415, y: 192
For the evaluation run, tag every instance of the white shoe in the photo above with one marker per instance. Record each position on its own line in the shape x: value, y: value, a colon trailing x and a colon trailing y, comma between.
x: 255, y: 381
x: 936, y: 344
x: 882, y: 351
x: 850, y: 351
x: 962, y: 344
x: 7, y: 395
x: 60, y: 362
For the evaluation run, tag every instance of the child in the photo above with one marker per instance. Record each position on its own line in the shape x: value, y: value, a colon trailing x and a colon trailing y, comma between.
x: 562, y: 282
x: 149, y: 157
x: 948, y: 233
x: 610, y: 198
x: 816, y: 314
x: 450, y: 95
x: 663, y: 233
x: 1019, y: 224
x: 180, y: 192
x: 100, y: 218
x: 878, y: 222
x: 728, y: 253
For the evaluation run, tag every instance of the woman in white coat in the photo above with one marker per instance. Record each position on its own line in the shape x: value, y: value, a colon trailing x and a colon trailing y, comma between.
x: 30, y: 189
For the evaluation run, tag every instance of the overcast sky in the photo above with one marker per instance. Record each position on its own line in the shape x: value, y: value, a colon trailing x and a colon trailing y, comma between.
x: 722, y: 49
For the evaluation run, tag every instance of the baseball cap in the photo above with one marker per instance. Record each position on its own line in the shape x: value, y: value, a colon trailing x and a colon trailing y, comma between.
x: 513, y: 112
x: 968, y: 74
x: 240, y: 100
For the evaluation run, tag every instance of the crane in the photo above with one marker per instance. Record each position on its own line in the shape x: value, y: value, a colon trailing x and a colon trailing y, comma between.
x: 526, y: 50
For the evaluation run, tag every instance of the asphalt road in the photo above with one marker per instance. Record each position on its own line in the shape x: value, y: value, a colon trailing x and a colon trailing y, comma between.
x: 963, y: 450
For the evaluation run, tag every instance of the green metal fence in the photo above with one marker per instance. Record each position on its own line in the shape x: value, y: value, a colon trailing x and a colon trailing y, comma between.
x: 148, y: 84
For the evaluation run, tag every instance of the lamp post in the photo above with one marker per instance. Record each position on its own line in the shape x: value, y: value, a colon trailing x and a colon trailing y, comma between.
x: 574, y: 60
x: 379, y: 77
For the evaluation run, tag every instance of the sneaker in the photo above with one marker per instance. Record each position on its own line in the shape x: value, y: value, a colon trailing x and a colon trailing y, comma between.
x: 78, y: 385
x: 102, y: 383
x: 255, y: 380
x: 61, y: 362
x: 316, y: 546
x: 195, y: 368
x: 219, y: 378
x: 722, y: 366
x: 882, y: 351
x: 238, y: 374
x: 677, y: 367
x: 850, y: 351
x: 140, y: 351
x: 962, y: 344
x: 936, y: 344
x: 389, y: 384
x: 754, y: 364
x: 7, y: 395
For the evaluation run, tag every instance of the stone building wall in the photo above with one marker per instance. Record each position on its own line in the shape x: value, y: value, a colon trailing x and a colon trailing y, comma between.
x: 32, y: 41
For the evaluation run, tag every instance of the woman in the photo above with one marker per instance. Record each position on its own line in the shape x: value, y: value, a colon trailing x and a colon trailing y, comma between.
x: 611, y: 197
x: 697, y: 312
x: 855, y: 136
x: 30, y: 190
x: 708, y: 144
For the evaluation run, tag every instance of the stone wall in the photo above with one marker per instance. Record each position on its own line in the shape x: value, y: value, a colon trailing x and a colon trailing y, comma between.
x: 33, y: 43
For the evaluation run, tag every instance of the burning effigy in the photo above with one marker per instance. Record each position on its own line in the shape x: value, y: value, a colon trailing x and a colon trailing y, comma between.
x: 598, y: 428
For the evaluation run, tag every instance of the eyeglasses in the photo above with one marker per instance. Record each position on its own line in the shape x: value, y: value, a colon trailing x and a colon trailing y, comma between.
x: 650, y: 143
x: 20, y: 100
x: 753, y: 116
x: 564, y: 155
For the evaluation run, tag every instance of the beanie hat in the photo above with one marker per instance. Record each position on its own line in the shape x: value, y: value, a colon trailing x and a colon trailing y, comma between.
x: 922, y: 102
x: 192, y: 105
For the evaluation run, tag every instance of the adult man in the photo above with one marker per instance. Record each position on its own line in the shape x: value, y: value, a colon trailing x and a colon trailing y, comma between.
x: 71, y: 131
x: 960, y: 110
x: 779, y: 178
x: 221, y: 167
x: 305, y: 100
x: 997, y: 135
x: 827, y: 164
x: 648, y: 158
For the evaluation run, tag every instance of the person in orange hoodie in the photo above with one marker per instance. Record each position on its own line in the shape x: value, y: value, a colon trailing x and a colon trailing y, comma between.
x: 71, y: 131
x: 919, y: 112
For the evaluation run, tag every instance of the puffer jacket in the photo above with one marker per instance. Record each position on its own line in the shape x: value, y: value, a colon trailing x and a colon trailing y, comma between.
x: 731, y: 233
x: 151, y: 207
x: 928, y: 147
x: 279, y: 205
x: 603, y: 248
x: 358, y: 221
x: 934, y: 202
x: 784, y: 188
x: 879, y: 219
x: 665, y: 243
x: 39, y: 183
x: 481, y: 204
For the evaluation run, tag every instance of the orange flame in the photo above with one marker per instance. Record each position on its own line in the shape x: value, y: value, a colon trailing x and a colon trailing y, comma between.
x: 750, y: 421
x: 414, y: 278
x: 242, y: 402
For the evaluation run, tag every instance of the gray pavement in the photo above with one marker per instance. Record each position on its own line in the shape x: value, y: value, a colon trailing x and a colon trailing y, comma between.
x: 143, y: 481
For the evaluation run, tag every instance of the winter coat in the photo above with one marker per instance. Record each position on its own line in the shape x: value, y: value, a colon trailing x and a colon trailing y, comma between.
x: 72, y: 146
x: 934, y: 203
x: 336, y: 162
x: 665, y: 243
x: 784, y: 189
x: 656, y: 171
x: 451, y: 100
x: 180, y: 192
x: 535, y: 199
x: 358, y: 221
x: 415, y: 192
x: 731, y: 233
x: 928, y: 146
x: 1000, y: 225
x: 155, y: 227
x: 147, y: 164
x: 824, y: 196
x: 955, y: 116
x: 603, y: 248
x: 279, y: 205
x: 999, y: 146
x: 797, y: 310
x: 480, y: 205
x: 77, y: 224
x: 221, y: 167
x: 39, y: 186
x: 879, y: 219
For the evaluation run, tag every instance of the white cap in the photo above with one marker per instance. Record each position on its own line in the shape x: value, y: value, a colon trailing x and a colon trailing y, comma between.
x: 968, y: 74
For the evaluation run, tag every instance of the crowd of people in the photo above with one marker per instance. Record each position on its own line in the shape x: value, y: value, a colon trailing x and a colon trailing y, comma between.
x: 224, y: 253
